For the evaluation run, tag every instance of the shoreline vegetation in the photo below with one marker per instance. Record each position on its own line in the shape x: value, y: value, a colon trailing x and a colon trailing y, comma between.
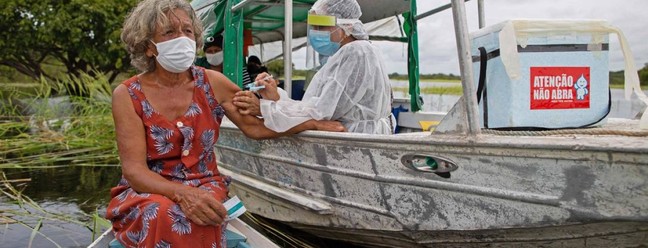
x: 43, y: 128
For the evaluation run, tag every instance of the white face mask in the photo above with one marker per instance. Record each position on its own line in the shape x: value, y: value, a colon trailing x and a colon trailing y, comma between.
x: 176, y: 55
x: 214, y: 58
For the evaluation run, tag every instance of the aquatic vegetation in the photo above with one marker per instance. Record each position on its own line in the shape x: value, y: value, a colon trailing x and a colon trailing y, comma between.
x: 42, y: 127
x: 48, y: 128
x: 28, y: 213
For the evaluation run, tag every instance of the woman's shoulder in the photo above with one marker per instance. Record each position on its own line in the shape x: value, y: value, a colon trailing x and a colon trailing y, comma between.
x: 133, y: 83
x: 131, y: 80
x: 213, y: 76
x: 218, y: 81
x: 128, y: 83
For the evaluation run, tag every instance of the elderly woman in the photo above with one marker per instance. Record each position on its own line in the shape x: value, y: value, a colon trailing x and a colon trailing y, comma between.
x: 167, y: 120
x: 352, y: 87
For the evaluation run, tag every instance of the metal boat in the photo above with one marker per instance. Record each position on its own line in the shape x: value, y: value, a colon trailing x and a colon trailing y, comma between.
x: 459, y: 186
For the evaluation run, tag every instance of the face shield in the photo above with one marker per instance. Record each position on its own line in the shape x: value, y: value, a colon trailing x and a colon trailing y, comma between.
x: 320, y: 45
x: 324, y: 36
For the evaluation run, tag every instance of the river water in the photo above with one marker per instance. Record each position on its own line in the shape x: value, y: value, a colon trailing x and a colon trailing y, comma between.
x: 74, y: 192
x: 78, y: 192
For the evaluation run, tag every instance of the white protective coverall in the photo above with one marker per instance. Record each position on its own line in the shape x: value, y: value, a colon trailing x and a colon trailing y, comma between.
x: 352, y: 87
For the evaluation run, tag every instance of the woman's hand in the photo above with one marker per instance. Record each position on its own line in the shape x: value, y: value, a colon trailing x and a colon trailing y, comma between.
x: 247, y: 103
x: 330, y: 126
x: 200, y: 206
x: 270, y: 91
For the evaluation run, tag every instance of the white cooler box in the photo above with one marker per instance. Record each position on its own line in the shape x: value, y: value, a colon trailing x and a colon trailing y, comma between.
x: 539, y: 74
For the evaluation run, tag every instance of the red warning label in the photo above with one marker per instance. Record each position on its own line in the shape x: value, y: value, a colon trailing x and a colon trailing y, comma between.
x: 560, y: 87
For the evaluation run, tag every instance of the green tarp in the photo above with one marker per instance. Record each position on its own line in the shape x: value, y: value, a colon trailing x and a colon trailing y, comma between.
x: 233, y: 45
x: 217, y: 18
x: 412, y: 57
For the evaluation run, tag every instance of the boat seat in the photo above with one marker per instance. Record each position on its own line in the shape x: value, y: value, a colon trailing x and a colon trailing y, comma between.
x: 115, y: 244
x: 234, y: 240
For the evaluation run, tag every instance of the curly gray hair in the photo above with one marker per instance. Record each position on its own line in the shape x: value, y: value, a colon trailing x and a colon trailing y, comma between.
x: 140, y: 24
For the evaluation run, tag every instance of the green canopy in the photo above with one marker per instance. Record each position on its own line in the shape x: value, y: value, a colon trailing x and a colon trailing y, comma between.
x: 232, y: 48
x: 265, y: 18
x: 412, y: 57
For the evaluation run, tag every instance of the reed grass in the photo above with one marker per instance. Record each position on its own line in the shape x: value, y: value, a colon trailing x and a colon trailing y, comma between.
x: 45, y: 127
x: 27, y: 209
x: 35, y: 131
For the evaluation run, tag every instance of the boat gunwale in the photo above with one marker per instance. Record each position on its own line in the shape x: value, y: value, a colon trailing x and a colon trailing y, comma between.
x: 574, y: 142
x: 547, y: 200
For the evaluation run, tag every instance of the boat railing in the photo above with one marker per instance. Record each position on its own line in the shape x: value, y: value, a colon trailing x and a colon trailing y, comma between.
x: 465, y: 66
x: 469, y: 100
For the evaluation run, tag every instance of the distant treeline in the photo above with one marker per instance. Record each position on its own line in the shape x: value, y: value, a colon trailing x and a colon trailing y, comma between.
x: 616, y: 77
x: 394, y: 76
x: 437, y: 76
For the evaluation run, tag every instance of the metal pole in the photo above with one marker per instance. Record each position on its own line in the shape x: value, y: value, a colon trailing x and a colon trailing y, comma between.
x: 480, y: 11
x: 465, y: 65
x: 434, y: 11
x: 241, y: 5
x: 288, y: 27
x: 205, y: 5
x: 261, y: 51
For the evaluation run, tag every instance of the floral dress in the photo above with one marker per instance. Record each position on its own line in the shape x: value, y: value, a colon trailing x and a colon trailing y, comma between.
x: 181, y: 151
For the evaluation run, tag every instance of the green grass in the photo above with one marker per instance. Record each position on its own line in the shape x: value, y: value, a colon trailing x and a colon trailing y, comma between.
x: 83, y: 135
x: 452, y: 90
x: 294, y: 78
x: 440, y: 80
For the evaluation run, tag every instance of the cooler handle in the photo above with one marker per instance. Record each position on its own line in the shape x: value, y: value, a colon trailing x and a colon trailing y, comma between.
x: 481, y: 86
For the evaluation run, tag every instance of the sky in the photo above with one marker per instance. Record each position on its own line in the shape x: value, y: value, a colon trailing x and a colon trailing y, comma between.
x: 437, y: 46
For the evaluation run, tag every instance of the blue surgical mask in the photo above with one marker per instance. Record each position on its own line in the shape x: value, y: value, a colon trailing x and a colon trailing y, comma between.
x: 321, y: 42
x: 323, y: 59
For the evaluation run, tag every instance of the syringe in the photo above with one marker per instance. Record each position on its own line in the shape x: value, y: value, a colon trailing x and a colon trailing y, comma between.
x: 253, y: 87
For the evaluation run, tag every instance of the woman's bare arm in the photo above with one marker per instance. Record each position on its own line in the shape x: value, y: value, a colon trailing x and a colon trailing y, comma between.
x: 252, y: 126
